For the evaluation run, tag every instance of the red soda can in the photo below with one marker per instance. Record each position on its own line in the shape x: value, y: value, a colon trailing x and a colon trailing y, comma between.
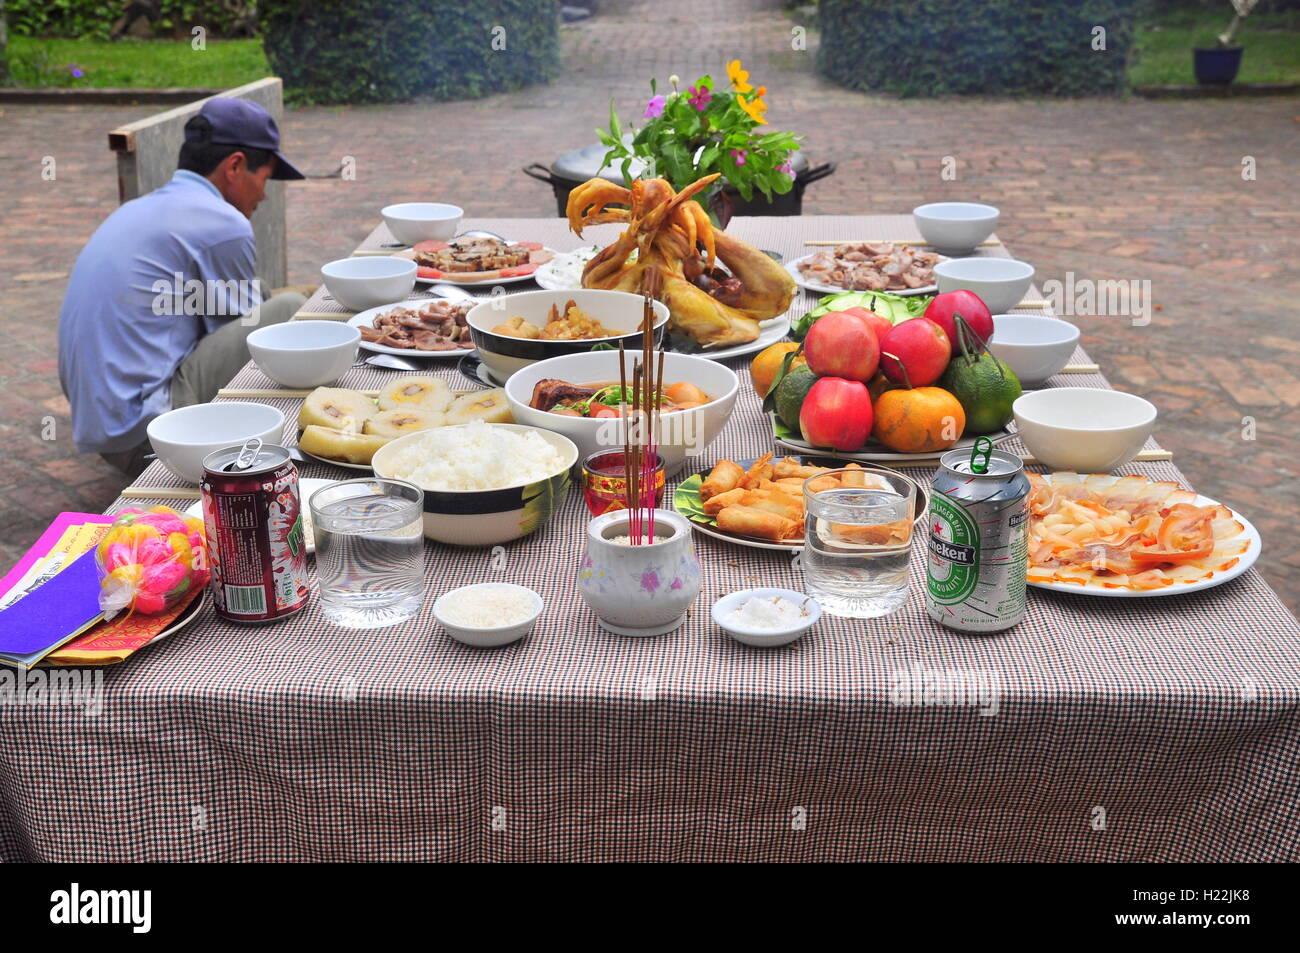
x: 256, y: 541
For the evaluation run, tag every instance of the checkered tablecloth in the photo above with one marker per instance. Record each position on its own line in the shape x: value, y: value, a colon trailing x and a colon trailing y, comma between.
x: 1124, y: 729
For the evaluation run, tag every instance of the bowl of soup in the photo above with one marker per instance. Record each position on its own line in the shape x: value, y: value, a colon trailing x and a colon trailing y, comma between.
x: 513, y: 331
x: 580, y: 396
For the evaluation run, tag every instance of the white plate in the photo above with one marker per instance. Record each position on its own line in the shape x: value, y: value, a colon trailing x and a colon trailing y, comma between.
x: 769, y: 332
x: 548, y: 277
x: 789, y: 546
x: 306, y: 487
x: 875, y: 453
x: 366, y: 319
x: 822, y: 289
x: 479, y: 283
x: 1245, y: 562
x: 363, y: 467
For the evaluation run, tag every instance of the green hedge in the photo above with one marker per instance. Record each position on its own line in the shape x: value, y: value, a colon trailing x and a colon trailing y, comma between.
x: 387, y: 50
x: 996, y: 47
x: 95, y: 18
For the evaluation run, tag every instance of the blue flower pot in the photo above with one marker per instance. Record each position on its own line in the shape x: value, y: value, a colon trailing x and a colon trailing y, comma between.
x: 1217, y: 66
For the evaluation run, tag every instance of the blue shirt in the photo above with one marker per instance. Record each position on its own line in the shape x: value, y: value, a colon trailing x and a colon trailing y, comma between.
x: 159, y: 273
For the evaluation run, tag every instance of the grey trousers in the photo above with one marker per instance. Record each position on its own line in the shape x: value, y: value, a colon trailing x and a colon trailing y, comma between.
x: 210, y: 366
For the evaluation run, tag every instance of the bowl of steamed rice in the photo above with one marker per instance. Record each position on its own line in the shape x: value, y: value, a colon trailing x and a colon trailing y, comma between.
x: 483, y: 483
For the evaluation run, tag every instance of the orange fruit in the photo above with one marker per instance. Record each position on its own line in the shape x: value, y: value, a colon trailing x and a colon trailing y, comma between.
x: 764, y: 368
x: 919, y: 420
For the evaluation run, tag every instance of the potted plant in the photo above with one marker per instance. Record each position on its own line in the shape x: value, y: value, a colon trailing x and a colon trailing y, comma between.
x: 695, y: 132
x: 1218, y: 65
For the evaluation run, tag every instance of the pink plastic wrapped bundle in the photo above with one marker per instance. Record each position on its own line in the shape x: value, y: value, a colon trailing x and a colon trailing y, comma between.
x: 151, y: 561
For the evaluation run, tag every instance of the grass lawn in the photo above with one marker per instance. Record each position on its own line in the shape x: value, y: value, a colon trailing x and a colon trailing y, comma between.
x: 1164, y: 46
x: 40, y: 62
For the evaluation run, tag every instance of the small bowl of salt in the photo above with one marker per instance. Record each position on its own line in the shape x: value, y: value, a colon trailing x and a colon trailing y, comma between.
x: 766, y: 618
x: 489, y: 614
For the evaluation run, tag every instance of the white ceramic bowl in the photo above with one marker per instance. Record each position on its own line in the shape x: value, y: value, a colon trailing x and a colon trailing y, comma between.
x: 1085, y: 429
x: 485, y: 517
x: 955, y: 227
x: 679, y: 434
x: 369, y: 280
x: 763, y: 638
x: 183, y: 437
x: 1034, y: 345
x: 412, y: 222
x: 496, y: 635
x: 304, y: 353
x: 616, y: 310
x: 1000, y: 282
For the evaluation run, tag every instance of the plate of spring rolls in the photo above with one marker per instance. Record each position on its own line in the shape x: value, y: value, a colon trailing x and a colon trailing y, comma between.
x: 760, y: 503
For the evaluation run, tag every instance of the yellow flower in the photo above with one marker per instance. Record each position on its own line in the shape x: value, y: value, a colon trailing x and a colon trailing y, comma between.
x: 754, y: 107
x: 739, y: 77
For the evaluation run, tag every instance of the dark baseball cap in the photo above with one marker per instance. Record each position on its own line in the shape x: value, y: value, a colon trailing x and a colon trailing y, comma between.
x: 238, y: 122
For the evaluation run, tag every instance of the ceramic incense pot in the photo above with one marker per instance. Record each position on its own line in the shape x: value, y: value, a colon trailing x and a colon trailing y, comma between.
x: 639, y: 590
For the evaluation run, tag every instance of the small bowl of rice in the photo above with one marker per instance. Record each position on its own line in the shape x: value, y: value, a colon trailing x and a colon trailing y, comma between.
x: 483, y: 483
x: 488, y: 614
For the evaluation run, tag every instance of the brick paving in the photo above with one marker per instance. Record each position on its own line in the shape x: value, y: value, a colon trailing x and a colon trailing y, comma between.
x: 1105, y: 189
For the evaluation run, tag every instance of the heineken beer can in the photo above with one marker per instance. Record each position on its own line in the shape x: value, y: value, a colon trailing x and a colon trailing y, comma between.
x: 978, y: 541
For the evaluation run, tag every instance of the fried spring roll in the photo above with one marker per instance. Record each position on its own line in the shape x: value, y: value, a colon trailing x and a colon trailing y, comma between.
x: 749, y: 521
x: 725, y: 475
x: 791, y: 467
x: 822, y: 484
x: 761, y: 470
x: 861, y: 478
x: 774, y: 501
x: 731, y: 498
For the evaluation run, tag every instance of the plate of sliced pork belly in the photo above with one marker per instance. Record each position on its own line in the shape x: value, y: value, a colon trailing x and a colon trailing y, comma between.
x: 867, y: 266
x: 427, y: 327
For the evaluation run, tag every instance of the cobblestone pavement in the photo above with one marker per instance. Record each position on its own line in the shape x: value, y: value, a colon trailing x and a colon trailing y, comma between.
x: 1103, y: 189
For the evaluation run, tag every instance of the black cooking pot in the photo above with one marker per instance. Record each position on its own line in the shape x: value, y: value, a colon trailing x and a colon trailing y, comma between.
x: 574, y: 168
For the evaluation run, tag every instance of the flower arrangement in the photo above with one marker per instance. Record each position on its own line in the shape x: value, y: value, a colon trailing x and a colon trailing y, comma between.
x: 701, y: 130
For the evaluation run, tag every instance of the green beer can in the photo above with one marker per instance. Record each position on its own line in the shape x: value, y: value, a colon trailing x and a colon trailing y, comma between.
x: 978, y: 525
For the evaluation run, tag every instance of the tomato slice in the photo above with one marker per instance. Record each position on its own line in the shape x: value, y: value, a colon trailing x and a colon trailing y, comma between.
x: 431, y: 273
x: 532, y: 246
x: 429, y: 246
x: 518, y: 271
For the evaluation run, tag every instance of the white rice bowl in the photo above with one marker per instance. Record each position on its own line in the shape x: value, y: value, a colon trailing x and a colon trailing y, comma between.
x: 483, y: 484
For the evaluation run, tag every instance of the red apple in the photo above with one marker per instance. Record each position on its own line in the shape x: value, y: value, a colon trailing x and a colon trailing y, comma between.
x: 915, y: 353
x: 880, y: 324
x: 842, y: 345
x: 972, y: 309
x: 836, y: 413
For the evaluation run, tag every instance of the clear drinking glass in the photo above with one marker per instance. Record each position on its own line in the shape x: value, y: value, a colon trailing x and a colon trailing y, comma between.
x: 858, y: 540
x: 369, y: 551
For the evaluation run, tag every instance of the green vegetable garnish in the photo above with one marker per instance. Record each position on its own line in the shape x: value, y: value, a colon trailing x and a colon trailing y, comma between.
x: 892, y: 306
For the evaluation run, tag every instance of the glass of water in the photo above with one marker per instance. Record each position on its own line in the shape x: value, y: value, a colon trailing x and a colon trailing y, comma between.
x: 858, y: 540
x: 369, y: 551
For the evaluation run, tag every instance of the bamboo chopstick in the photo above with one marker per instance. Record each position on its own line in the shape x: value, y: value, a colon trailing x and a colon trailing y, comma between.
x: 1080, y: 369
x: 1032, y: 304
x: 160, y: 493
x: 889, y: 241
x: 1144, y: 456
x: 272, y: 394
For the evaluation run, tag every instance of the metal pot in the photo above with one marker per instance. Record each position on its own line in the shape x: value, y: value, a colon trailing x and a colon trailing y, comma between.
x: 574, y: 168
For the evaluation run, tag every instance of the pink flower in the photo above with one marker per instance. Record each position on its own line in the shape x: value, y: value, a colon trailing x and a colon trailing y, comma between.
x: 700, y: 97
x: 162, y: 579
x: 677, y: 583
x: 738, y: 156
x: 116, y: 556
x: 154, y: 551
x: 654, y: 109
x: 787, y: 168
x: 650, y: 581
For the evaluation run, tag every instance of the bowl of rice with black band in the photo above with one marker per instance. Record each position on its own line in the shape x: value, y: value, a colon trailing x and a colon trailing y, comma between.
x: 483, y: 483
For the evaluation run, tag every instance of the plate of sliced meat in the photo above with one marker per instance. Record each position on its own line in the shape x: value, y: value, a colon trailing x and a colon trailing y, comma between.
x: 429, y: 327
x: 474, y: 261
x: 867, y: 266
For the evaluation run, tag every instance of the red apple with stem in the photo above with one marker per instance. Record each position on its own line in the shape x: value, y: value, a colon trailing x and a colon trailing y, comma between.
x: 915, y: 353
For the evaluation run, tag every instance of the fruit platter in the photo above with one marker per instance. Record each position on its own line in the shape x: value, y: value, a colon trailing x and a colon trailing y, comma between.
x: 882, y: 378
